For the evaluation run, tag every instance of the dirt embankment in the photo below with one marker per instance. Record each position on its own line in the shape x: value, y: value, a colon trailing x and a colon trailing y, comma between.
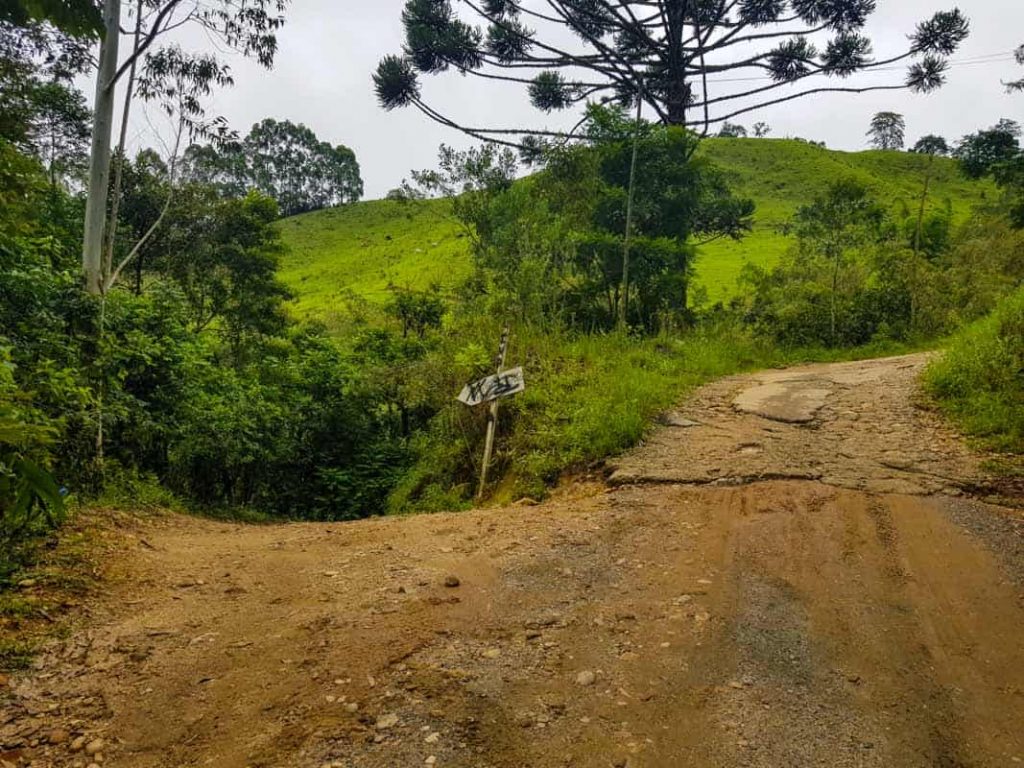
x: 791, y: 572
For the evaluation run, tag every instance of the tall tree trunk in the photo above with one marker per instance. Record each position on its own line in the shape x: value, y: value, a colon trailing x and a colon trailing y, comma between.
x: 119, y: 157
x: 676, y: 89
x: 99, y: 165
x: 917, y: 243
x: 835, y: 289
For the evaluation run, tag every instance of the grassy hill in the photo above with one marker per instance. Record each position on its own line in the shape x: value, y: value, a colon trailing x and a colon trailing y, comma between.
x: 363, y: 249
x: 781, y: 175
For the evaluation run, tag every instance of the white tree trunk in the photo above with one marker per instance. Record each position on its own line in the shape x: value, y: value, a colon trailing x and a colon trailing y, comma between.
x: 99, y: 162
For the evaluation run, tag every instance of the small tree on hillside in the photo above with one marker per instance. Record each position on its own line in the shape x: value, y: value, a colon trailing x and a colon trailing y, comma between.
x: 887, y: 131
x: 732, y: 131
x: 980, y: 152
x: 997, y: 153
x: 676, y: 57
x: 833, y: 225
x: 931, y: 145
x: 761, y: 130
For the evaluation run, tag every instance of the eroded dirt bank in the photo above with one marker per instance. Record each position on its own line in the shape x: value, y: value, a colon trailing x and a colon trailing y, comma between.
x: 853, y: 607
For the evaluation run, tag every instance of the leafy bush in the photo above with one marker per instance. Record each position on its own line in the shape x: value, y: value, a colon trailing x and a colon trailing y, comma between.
x: 980, y: 380
x: 30, y: 501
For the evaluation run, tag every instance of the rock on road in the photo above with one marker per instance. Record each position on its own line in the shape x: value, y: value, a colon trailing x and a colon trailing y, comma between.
x: 791, y: 572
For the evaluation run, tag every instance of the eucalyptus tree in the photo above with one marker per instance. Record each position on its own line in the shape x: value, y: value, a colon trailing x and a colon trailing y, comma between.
x: 932, y: 146
x: 176, y: 78
x: 283, y: 160
x: 694, y: 63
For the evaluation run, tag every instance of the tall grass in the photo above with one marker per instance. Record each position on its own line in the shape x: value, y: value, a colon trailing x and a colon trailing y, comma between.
x: 979, y: 382
x: 588, y: 397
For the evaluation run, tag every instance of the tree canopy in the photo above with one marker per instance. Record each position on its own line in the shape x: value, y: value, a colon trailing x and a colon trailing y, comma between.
x: 980, y: 152
x: 697, y: 63
x: 931, y: 145
x: 75, y: 17
x: 283, y: 160
x: 887, y: 131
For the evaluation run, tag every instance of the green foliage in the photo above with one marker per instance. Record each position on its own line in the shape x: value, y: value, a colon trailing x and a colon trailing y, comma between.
x: 31, y: 503
x: 76, y: 17
x: 827, y: 230
x: 295, y: 434
x: 733, y: 131
x: 223, y: 254
x: 418, y: 312
x: 980, y: 379
x: 931, y: 145
x: 588, y: 397
x: 554, y: 245
x: 782, y: 175
x: 997, y: 153
x: 366, y: 248
x: 980, y: 152
x: 876, y: 284
x: 284, y: 161
x: 196, y: 376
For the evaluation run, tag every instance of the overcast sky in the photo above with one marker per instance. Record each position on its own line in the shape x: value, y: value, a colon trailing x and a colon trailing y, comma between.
x: 329, y: 48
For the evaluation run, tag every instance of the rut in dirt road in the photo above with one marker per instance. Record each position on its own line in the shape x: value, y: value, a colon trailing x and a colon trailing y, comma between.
x: 791, y: 572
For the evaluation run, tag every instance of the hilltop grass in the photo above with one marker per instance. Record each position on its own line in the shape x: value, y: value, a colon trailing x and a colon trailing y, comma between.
x: 780, y: 175
x: 364, y: 250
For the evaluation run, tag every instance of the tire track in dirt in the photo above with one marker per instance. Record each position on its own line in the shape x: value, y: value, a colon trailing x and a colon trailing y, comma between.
x: 687, y: 616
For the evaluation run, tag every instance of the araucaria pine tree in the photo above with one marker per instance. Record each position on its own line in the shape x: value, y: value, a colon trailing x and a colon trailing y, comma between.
x: 697, y: 63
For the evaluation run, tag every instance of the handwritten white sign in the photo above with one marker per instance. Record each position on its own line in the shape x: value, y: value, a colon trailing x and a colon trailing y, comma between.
x: 504, y: 384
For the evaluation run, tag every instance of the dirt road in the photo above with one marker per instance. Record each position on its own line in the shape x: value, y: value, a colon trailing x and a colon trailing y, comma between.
x: 792, y: 572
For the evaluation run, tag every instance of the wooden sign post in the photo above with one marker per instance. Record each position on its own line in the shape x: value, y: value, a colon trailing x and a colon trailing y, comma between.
x: 492, y: 418
x: 492, y: 389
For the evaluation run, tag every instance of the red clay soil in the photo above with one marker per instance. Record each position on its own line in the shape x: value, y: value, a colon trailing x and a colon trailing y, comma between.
x: 793, y: 572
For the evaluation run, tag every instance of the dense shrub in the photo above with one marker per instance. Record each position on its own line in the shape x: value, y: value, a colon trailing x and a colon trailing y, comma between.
x: 30, y: 501
x: 191, y: 373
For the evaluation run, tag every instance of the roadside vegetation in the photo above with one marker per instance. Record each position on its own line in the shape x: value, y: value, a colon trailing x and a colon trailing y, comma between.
x: 980, y: 379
